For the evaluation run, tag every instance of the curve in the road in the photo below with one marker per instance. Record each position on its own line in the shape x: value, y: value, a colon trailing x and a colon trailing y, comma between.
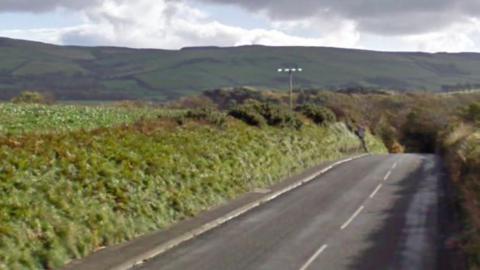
x: 378, y: 212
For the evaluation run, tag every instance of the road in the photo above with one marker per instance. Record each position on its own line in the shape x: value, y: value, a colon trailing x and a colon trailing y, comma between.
x: 377, y: 212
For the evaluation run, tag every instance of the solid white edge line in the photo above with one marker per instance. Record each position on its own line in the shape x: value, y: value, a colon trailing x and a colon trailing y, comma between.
x: 387, y: 175
x: 314, y: 256
x: 345, y: 225
x: 376, y: 190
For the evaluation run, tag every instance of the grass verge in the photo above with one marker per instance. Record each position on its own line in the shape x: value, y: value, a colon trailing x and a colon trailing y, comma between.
x: 462, y: 154
x: 65, y: 195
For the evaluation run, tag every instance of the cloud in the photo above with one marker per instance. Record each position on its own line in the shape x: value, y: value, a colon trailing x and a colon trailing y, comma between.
x: 48, y: 35
x: 385, y: 17
x: 44, y: 5
x: 172, y: 24
x: 459, y: 37
x: 175, y: 24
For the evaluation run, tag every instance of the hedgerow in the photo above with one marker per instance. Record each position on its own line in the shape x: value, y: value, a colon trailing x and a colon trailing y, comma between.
x: 461, y: 151
x: 65, y: 195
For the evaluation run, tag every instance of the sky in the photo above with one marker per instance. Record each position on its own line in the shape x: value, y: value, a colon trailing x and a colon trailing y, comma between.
x: 386, y: 25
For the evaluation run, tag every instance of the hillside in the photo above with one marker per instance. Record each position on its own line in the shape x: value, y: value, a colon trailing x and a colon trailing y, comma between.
x: 105, y: 73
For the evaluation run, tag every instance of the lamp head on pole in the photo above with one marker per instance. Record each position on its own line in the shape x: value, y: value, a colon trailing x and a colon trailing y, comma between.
x: 288, y: 70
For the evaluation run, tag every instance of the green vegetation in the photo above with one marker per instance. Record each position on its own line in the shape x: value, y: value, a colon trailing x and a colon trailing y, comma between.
x: 23, y: 118
x: 259, y: 114
x: 472, y: 112
x: 405, y: 122
x: 82, y: 73
x: 248, y: 115
x: 30, y: 97
x: 74, y: 179
x: 460, y: 145
x: 206, y: 114
x: 319, y: 115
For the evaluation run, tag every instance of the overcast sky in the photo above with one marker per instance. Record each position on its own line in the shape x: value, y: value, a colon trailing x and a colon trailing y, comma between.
x: 393, y: 25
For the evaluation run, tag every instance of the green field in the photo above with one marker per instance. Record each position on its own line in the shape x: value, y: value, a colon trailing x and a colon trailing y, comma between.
x: 74, y: 179
x: 24, y: 118
x: 104, y: 73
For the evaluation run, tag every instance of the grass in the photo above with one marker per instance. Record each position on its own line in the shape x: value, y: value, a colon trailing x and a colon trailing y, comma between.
x: 18, y: 119
x: 67, y: 194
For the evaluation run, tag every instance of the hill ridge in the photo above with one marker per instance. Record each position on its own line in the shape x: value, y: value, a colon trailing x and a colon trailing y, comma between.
x: 106, y: 73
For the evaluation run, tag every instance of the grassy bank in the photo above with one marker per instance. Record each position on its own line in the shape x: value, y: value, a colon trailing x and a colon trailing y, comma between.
x: 66, y: 194
x: 462, y: 154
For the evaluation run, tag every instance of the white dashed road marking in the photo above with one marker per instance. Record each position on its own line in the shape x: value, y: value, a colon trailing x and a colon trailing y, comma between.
x: 387, y: 175
x: 376, y: 190
x: 310, y: 261
x: 345, y: 225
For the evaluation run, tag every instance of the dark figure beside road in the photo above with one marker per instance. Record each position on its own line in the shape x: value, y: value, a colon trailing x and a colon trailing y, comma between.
x: 360, y: 132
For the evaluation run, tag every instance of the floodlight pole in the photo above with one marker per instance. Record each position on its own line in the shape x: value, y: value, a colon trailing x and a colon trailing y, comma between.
x: 290, y: 75
x: 291, y: 89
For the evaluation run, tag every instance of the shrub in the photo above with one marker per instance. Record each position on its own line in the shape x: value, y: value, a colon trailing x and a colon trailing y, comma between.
x: 280, y: 116
x: 472, y: 112
x: 396, y: 148
x: 207, y: 114
x: 258, y: 114
x: 30, y: 97
x: 248, y: 114
x: 318, y: 114
x: 388, y: 134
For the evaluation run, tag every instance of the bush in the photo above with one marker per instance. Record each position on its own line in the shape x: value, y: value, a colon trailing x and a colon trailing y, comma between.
x: 280, y: 116
x: 30, y: 97
x: 206, y: 114
x: 258, y: 114
x: 319, y: 115
x: 472, y: 112
x: 396, y: 148
x: 248, y: 114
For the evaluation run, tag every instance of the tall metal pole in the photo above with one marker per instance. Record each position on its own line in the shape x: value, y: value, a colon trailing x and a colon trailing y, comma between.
x: 291, y: 90
x: 290, y: 74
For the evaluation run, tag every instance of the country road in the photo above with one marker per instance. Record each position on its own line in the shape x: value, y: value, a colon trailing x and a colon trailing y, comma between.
x: 377, y: 212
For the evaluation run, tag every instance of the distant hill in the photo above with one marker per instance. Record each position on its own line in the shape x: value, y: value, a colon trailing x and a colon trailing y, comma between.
x: 105, y: 73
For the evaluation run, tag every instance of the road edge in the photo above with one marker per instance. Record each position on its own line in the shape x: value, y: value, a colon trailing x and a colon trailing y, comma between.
x: 139, y: 259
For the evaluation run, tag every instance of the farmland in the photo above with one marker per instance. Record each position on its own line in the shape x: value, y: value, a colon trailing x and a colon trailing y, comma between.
x: 74, y: 179
x: 25, y: 118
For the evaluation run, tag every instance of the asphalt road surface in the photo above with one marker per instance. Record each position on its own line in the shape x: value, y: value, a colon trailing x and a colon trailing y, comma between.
x: 377, y: 212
